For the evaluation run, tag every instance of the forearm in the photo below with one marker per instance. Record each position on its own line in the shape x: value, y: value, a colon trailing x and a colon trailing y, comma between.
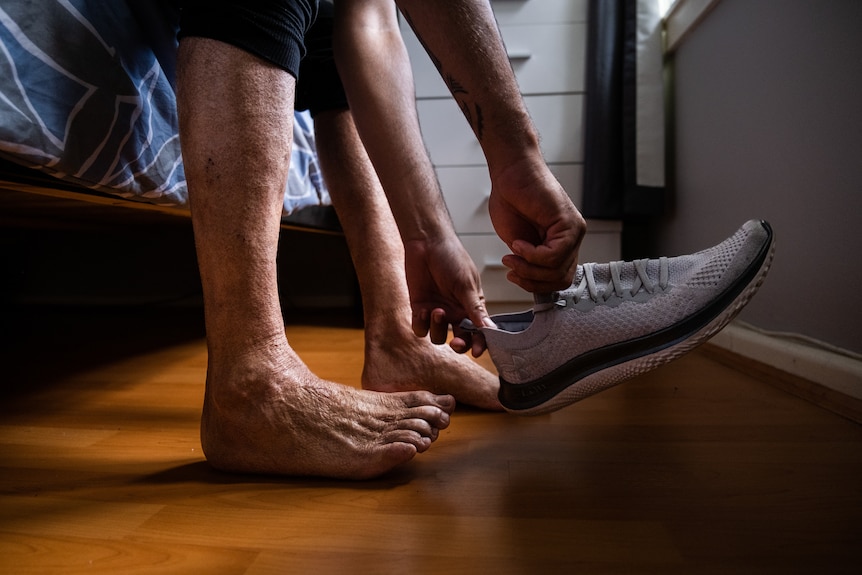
x: 377, y: 77
x: 464, y: 43
x: 529, y: 209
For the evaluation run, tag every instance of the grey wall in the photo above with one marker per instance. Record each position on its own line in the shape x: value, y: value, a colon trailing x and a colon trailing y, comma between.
x: 768, y: 124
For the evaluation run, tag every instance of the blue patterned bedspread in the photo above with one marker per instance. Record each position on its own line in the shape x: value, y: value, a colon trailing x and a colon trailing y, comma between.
x: 87, y: 95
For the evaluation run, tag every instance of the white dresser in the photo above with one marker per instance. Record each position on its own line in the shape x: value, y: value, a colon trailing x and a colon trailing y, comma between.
x: 546, y: 41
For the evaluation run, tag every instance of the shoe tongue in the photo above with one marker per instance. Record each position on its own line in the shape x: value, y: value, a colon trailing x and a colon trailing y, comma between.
x: 545, y: 298
x: 545, y: 301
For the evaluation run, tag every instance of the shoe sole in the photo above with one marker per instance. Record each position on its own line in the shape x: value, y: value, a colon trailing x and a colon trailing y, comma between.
x: 603, y: 368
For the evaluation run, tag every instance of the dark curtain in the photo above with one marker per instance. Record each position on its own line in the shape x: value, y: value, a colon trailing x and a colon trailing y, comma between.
x: 611, y: 190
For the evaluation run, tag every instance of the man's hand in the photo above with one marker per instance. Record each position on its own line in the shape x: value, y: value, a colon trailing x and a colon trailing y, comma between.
x: 542, y: 227
x: 444, y: 289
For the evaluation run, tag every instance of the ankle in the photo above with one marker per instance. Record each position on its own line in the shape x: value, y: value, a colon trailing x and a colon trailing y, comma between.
x: 252, y: 363
x: 387, y: 323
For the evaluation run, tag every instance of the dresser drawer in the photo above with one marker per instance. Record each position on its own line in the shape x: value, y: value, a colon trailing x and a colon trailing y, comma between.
x: 601, y: 244
x: 466, y: 189
x: 508, y: 12
x: 451, y: 142
x: 546, y: 59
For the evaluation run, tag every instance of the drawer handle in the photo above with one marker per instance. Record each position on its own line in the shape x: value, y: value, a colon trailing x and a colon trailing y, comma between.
x: 493, y: 265
x: 516, y: 56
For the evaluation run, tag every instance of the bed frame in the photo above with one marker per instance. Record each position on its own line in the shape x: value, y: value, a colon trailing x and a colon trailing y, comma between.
x: 17, y: 178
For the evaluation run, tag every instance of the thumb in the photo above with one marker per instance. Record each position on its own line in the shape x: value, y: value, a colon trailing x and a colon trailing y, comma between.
x: 479, y: 314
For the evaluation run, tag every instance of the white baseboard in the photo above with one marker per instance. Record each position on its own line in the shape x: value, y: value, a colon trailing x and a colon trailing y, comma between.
x: 832, y: 369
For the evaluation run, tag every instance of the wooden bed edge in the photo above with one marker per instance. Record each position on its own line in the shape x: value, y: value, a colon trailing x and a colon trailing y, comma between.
x: 314, y: 219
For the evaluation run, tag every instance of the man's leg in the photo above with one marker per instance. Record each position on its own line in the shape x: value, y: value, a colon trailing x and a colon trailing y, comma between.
x: 264, y: 411
x: 395, y: 359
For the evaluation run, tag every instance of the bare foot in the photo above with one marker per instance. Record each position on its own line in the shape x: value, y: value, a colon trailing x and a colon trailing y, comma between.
x: 397, y: 360
x: 279, y: 418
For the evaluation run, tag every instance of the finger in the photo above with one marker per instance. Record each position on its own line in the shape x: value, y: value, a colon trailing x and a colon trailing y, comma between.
x: 466, y: 340
x: 462, y: 340
x: 439, y: 326
x: 421, y: 322
x: 536, y: 278
x: 552, y: 255
x: 460, y: 344
x: 479, y: 315
x: 478, y: 344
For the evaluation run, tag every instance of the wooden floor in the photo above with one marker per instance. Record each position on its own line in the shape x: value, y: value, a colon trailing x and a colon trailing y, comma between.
x: 695, y: 468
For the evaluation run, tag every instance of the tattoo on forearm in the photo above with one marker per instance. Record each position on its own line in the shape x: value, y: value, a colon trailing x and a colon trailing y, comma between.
x: 461, y: 95
x: 471, y: 111
x: 479, y: 125
x: 454, y: 85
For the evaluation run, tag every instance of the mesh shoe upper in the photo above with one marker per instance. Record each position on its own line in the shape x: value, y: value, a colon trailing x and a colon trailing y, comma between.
x: 624, y: 304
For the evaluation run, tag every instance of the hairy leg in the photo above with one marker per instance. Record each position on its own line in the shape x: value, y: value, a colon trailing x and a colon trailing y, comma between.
x: 395, y: 359
x: 264, y: 411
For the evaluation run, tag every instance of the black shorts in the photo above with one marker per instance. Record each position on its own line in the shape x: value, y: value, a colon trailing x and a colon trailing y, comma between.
x: 271, y: 29
x: 319, y: 86
x: 295, y: 35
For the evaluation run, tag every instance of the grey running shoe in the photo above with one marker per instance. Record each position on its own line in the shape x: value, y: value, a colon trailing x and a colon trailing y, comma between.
x: 622, y: 319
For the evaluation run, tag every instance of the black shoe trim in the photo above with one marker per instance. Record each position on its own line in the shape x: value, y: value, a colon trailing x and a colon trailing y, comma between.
x: 522, y: 396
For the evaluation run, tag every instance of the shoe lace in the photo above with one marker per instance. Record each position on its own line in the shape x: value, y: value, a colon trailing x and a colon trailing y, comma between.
x: 591, y: 288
